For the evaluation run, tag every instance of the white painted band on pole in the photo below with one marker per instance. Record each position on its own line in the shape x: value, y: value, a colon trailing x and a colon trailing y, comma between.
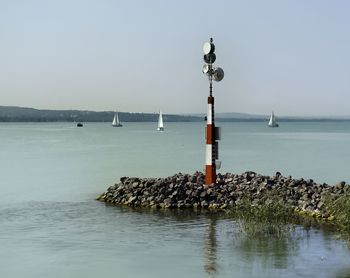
x: 209, y: 114
x: 208, y: 155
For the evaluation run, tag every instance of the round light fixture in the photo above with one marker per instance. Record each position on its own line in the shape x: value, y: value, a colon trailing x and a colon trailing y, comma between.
x: 209, y: 58
x: 218, y: 74
x: 205, y: 68
x: 208, y: 48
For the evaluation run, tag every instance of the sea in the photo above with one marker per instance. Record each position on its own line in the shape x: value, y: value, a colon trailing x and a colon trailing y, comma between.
x: 52, y: 226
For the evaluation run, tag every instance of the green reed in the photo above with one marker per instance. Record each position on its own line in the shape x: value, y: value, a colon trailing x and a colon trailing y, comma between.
x: 339, y: 208
x: 265, y: 219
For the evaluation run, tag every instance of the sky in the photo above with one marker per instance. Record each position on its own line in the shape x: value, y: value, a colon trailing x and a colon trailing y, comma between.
x: 288, y: 56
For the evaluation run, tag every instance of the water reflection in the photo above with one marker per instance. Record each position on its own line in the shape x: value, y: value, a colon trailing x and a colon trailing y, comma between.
x: 210, y: 249
x: 271, y: 252
x: 218, y: 246
x: 182, y: 216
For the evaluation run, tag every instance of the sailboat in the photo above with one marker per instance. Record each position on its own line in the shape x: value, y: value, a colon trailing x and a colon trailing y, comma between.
x: 160, y: 122
x: 116, y: 122
x: 272, y: 122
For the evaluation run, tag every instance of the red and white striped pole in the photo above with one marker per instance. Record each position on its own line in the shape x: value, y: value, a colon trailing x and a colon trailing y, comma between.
x: 212, y: 133
x: 210, y: 167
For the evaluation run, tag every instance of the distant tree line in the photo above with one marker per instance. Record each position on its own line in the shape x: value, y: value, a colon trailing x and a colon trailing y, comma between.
x: 19, y: 114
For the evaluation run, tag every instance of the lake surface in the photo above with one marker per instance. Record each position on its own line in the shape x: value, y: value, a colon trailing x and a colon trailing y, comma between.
x: 51, y: 226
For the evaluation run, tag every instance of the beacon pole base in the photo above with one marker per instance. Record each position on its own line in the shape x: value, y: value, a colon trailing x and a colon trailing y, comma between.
x: 210, y: 175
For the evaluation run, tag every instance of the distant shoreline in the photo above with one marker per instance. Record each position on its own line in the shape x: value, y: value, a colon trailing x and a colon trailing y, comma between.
x: 22, y: 114
x: 167, y: 118
x: 221, y: 120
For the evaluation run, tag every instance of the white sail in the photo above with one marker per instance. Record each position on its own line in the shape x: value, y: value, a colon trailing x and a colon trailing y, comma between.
x: 272, y: 122
x: 160, y: 122
x: 116, y: 122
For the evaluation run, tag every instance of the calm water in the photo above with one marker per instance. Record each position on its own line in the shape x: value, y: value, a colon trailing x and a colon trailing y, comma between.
x: 50, y: 225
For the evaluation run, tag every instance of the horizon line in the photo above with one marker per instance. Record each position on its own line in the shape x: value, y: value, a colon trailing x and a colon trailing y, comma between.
x: 195, y: 114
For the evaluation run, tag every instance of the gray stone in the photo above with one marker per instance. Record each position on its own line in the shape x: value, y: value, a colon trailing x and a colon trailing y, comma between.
x: 189, y: 191
x: 131, y: 199
x: 203, y: 194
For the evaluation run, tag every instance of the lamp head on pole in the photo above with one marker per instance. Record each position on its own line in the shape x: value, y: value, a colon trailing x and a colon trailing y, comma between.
x: 209, y: 57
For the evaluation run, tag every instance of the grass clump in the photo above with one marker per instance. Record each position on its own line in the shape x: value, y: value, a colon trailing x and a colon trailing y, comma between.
x: 339, y: 208
x: 268, y: 218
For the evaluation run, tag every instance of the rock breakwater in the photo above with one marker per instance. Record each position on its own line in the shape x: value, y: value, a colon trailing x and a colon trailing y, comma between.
x: 189, y: 191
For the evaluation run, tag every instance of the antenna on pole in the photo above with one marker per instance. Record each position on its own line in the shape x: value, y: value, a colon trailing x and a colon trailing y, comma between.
x: 213, y: 134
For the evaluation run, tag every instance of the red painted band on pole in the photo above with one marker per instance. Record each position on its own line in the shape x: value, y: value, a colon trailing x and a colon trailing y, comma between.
x: 210, y: 168
x: 209, y: 174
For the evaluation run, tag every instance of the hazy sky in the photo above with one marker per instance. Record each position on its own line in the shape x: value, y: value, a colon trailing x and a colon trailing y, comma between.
x: 292, y: 57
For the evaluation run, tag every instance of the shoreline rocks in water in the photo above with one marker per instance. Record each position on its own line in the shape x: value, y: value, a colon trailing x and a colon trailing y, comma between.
x: 189, y: 191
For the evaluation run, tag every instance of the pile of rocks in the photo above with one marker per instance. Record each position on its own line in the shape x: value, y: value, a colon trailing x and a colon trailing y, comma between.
x: 189, y: 191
